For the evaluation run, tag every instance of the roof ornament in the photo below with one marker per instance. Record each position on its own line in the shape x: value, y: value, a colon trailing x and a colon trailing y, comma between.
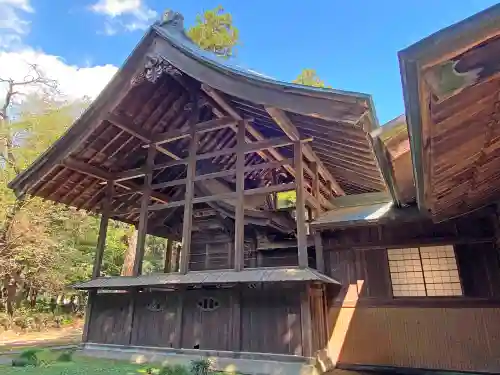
x: 172, y: 19
x: 154, y: 68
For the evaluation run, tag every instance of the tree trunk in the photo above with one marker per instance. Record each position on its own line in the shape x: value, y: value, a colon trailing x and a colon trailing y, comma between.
x: 128, y: 263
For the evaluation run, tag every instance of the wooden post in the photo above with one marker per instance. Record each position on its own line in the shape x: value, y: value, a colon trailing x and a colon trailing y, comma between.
x: 318, y: 244
x: 188, y: 198
x: 239, y: 225
x: 129, y: 323
x: 103, y: 230
x: 300, y: 208
x: 178, y: 319
x: 88, y: 314
x: 143, y: 219
x: 236, y: 319
x: 305, y: 322
x: 167, y: 267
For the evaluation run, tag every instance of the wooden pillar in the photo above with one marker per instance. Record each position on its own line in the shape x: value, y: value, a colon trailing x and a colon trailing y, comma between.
x: 236, y: 319
x: 143, y: 219
x: 88, y: 314
x: 188, y: 198
x: 167, y: 266
x: 239, y: 225
x: 129, y: 323
x: 178, y: 320
x: 318, y: 244
x: 305, y: 321
x: 103, y: 230
x: 300, y: 205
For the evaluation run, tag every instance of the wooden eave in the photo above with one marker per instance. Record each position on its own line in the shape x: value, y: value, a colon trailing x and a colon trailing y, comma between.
x: 108, y: 141
x: 391, y: 145
x: 210, y: 277
x: 452, y: 138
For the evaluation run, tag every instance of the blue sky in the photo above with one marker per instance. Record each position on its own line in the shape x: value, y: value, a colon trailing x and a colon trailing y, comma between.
x: 352, y: 44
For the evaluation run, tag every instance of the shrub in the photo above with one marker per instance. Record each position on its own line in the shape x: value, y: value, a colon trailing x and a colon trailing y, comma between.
x: 5, y: 321
x: 22, y: 362
x: 174, y: 370
x: 66, y: 356
x: 201, y: 367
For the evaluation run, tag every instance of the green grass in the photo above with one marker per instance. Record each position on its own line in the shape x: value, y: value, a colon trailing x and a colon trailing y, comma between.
x: 79, y: 366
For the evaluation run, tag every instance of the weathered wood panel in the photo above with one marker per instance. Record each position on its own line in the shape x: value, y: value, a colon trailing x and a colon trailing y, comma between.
x: 207, y: 328
x: 479, y: 269
x: 462, y: 230
x: 416, y: 337
x: 270, y: 320
x: 108, y: 319
x: 211, y: 256
x: 155, y: 319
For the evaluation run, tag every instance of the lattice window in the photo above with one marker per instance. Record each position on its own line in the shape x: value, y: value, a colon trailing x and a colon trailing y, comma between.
x: 424, y: 271
x: 208, y: 304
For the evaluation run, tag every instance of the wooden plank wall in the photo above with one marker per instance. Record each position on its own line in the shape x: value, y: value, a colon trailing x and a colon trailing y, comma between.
x: 155, y: 319
x: 108, y: 319
x: 268, y: 320
x: 214, y: 250
x: 207, y: 329
x: 413, y: 332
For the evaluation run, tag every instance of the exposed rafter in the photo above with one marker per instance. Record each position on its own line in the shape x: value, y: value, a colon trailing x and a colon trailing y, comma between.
x: 280, y: 117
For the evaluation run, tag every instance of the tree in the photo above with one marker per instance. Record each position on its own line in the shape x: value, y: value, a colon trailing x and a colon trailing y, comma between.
x: 214, y: 32
x: 309, y: 77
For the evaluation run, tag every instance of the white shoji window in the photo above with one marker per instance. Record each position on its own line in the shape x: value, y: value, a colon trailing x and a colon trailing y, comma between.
x: 424, y: 271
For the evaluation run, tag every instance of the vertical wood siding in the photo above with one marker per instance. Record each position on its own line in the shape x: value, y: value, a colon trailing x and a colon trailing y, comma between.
x: 207, y: 329
x: 153, y: 326
x: 108, y: 319
x: 435, y: 338
x: 267, y: 320
x: 270, y: 321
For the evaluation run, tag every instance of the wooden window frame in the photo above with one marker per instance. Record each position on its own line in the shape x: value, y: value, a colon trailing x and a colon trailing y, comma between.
x: 421, y: 269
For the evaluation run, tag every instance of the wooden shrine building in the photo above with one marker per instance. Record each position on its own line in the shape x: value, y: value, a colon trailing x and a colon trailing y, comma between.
x: 386, y: 257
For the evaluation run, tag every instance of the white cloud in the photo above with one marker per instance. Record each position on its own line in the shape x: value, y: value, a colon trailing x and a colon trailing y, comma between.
x: 73, y: 82
x: 12, y: 23
x: 130, y: 15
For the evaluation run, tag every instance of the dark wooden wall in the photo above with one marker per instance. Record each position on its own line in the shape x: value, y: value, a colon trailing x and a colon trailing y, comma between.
x: 109, y: 319
x: 264, y: 319
x: 270, y: 320
x: 214, y: 249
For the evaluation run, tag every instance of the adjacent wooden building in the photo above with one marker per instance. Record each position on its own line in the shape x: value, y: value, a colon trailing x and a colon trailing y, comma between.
x: 369, y: 267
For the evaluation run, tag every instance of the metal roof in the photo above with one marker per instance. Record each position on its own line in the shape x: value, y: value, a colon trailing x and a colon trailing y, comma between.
x: 212, y: 277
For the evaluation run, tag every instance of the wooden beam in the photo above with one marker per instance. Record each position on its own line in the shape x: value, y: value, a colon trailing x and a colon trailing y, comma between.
x: 167, y: 265
x: 280, y: 117
x: 103, y: 230
x: 239, y: 217
x: 139, y: 172
x: 300, y: 208
x: 143, y: 219
x: 188, y: 198
x: 202, y: 127
x: 127, y: 125
x: 96, y: 172
x: 318, y: 244
x: 217, y: 97
x: 162, y: 185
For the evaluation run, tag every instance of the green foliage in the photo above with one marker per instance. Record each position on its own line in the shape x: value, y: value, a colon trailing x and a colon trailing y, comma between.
x: 201, y: 367
x: 174, y: 370
x: 309, y: 77
x: 214, y: 31
x: 42, y: 357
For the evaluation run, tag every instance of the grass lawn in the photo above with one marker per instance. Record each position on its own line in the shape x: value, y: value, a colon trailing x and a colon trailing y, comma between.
x: 79, y: 366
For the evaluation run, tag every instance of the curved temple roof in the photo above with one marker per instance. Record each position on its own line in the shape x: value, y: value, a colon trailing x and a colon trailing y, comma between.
x: 152, y: 95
